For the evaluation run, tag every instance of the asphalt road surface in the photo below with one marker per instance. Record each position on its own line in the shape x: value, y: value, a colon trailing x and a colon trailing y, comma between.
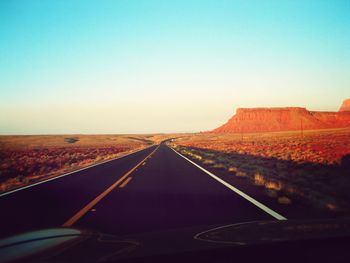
x: 155, y: 189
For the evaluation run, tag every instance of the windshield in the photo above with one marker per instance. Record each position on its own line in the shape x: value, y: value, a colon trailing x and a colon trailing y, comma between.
x: 137, y: 117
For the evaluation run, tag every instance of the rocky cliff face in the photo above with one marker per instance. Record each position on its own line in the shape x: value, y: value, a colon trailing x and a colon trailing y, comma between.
x: 283, y: 119
x: 345, y: 106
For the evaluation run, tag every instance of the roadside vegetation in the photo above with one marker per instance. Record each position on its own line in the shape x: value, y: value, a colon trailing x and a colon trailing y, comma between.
x: 28, y: 159
x: 312, y: 167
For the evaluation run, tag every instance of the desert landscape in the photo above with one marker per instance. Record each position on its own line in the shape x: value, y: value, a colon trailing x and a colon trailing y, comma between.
x: 291, y: 162
x: 28, y: 159
x: 175, y: 131
x: 314, y: 167
x: 309, y: 162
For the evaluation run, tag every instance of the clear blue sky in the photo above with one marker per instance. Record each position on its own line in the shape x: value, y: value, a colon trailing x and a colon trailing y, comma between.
x: 134, y: 66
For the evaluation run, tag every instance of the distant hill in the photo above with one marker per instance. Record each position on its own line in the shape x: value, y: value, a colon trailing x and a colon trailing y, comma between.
x: 285, y: 119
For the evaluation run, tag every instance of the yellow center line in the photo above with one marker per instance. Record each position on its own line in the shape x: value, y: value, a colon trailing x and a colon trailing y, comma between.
x: 125, y: 182
x: 90, y: 205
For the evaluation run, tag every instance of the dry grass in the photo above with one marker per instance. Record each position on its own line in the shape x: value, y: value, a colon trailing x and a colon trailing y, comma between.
x: 317, y: 146
x: 28, y: 159
x: 313, y: 167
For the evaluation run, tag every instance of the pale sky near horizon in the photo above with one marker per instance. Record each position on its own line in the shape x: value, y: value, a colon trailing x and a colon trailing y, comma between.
x: 134, y: 66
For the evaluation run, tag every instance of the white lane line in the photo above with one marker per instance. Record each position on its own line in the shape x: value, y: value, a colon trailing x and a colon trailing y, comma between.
x: 234, y: 189
x: 57, y: 177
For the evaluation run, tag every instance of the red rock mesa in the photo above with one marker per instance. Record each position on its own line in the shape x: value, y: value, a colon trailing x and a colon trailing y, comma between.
x: 345, y: 106
x: 285, y: 119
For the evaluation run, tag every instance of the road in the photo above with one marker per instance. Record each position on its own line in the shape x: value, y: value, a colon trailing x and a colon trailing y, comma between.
x: 151, y: 190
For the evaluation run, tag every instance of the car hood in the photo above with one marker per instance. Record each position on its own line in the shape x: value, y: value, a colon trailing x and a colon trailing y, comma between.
x: 81, y: 245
